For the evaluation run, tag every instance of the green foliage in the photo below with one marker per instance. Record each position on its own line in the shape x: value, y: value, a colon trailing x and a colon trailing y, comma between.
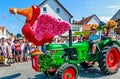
x: 101, y: 28
x: 44, y: 62
x: 81, y: 33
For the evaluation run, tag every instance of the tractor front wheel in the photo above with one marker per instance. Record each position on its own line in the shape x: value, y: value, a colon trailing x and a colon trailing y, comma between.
x: 67, y: 71
x: 109, y: 60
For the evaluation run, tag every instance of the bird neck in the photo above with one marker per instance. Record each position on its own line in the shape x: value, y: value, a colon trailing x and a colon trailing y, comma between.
x: 35, y: 15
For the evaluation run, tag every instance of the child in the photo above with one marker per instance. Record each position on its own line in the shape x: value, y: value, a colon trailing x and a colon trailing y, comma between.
x: 27, y: 49
x: 28, y: 52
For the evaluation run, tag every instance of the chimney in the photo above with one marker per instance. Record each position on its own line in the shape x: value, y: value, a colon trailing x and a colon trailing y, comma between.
x: 83, y: 18
x: 73, y: 21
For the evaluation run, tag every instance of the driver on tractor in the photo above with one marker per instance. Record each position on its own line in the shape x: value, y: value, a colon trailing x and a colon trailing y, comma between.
x: 93, y: 38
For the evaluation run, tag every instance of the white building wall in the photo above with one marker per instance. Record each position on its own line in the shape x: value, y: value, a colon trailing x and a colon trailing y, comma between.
x: 0, y: 32
x: 94, y: 20
x: 2, y: 35
x: 8, y: 35
x: 51, y: 6
x: 5, y: 35
x: 76, y: 27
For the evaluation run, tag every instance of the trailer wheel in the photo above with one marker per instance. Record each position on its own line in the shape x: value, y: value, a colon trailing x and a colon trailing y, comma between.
x: 67, y: 71
x: 109, y: 59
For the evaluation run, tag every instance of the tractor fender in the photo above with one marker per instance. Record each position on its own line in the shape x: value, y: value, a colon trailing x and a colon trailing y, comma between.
x: 107, y: 41
x: 117, y: 44
x: 111, y: 43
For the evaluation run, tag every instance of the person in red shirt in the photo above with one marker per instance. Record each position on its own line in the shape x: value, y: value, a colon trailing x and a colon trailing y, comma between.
x: 17, y: 47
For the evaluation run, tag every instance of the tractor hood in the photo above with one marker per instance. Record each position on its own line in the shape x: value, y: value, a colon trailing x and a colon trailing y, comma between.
x: 63, y: 46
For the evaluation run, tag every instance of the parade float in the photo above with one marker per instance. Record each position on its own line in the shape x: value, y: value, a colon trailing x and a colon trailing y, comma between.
x: 65, y: 59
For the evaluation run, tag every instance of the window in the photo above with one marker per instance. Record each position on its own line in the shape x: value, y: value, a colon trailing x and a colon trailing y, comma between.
x: 75, y: 28
x: 44, y: 9
x: 58, y: 10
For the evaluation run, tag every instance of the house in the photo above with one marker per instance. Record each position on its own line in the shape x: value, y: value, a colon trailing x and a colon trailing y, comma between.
x: 4, y: 32
x: 56, y: 9
x: 116, y: 17
x: 85, y: 23
x: 76, y: 28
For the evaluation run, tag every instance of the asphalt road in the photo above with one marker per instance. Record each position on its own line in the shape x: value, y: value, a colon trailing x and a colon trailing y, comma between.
x: 24, y: 71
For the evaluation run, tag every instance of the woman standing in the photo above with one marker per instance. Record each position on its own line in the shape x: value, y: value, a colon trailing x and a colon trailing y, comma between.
x: 4, y: 50
x: 9, y: 50
x: 17, y: 47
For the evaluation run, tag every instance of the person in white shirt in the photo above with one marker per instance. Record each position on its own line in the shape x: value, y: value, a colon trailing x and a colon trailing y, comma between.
x: 4, y: 50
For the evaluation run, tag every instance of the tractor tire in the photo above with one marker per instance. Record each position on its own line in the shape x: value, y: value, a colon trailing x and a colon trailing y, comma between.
x: 67, y: 71
x: 109, y: 59
x: 87, y: 64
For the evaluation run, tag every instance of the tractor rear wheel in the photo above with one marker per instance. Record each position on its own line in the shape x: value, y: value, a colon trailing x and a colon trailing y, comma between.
x: 109, y: 59
x: 67, y: 71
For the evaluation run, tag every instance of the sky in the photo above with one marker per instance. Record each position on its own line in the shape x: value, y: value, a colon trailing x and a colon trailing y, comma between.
x: 104, y: 9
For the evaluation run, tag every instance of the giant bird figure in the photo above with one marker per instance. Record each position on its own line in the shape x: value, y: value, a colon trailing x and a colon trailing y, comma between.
x: 40, y: 28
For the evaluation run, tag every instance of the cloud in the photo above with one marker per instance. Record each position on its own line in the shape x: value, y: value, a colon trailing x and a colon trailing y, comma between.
x: 114, y: 8
x: 105, y: 18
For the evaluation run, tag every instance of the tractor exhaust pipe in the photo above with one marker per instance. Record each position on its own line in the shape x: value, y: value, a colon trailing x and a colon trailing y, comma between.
x: 70, y: 38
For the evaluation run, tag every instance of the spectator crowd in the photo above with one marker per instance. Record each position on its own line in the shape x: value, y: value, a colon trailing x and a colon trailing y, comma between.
x: 18, y: 50
x: 15, y: 50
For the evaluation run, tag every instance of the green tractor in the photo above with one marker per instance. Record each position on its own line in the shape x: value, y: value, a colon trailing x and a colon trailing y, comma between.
x: 65, y: 59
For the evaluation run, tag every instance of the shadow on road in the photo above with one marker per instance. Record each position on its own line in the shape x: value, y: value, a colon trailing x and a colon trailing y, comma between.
x: 43, y: 76
x: 84, y: 73
x: 11, y: 76
x: 3, y: 65
x: 91, y: 73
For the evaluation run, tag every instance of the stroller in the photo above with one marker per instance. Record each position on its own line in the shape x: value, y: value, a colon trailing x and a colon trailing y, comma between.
x: 2, y: 58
